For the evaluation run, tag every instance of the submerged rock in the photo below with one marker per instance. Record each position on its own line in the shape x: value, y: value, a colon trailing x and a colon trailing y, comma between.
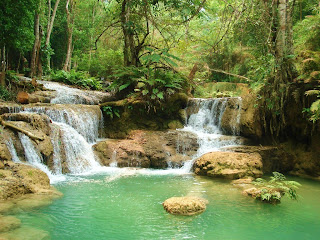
x: 8, y: 223
x: 185, y: 205
x: 229, y: 165
x: 26, y: 233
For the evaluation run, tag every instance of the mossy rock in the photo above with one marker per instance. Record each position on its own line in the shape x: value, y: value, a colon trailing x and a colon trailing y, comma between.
x: 186, y: 206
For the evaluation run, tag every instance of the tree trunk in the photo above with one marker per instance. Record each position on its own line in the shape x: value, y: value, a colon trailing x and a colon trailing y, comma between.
x: 124, y: 16
x: 38, y: 59
x: 50, y: 27
x: 3, y: 66
x: 36, y: 43
x: 70, y: 19
x: 130, y: 51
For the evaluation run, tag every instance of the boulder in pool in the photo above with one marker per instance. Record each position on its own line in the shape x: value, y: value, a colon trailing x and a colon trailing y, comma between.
x: 185, y: 205
x: 229, y: 165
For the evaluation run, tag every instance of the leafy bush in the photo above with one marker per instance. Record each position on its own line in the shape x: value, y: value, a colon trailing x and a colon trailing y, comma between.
x: 80, y: 79
x: 4, y: 94
x: 151, y: 85
x: 101, y: 63
x: 271, y: 191
x: 111, y: 111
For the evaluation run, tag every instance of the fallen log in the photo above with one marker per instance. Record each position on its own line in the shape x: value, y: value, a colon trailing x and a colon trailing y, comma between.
x: 16, y: 128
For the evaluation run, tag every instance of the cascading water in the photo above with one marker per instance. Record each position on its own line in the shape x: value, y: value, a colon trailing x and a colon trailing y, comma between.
x: 12, y: 150
x: 205, y: 122
x: 86, y: 119
x: 67, y: 95
x: 32, y: 155
x: 78, y: 152
x: 75, y: 128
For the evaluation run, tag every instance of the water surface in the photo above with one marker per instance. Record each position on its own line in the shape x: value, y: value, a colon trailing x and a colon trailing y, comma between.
x: 129, y: 207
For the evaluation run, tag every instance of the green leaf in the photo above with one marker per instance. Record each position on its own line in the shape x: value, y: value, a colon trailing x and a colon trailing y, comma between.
x: 169, y: 61
x: 160, y: 95
x: 140, y: 85
x: 117, y: 114
x: 155, y: 58
x: 315, y: 106
x: 145, y: 92
x: 124, y: 86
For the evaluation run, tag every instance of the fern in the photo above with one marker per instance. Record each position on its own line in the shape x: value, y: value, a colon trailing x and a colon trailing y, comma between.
x: 272, y: 190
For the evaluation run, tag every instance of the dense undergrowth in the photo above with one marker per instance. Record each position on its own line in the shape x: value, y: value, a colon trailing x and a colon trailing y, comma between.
x: 80, y: 79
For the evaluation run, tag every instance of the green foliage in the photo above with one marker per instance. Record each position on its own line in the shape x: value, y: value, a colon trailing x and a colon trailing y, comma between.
x: 307, y: 33
x: 80, y: 79
x: 4, y: 93
x: 101, y: 63
x: 156, y: 56
x: 275, y: 188
x: 111, y: 111
x: 151, y: 85
x: 216, y: 90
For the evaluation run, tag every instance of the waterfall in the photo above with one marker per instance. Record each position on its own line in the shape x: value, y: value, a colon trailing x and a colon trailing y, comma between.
x: 84, y: 119
x: 33, y: 156
x: 204, y: 120
x: 12, y: 150
x: 68, y: 95
x: 78, y: 152
x: 73, y: 130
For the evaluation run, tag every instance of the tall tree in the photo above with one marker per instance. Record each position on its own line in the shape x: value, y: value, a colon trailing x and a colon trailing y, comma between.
x: 16, y: 32
x: 70, y: 5
x: 37, y: 42
x: 51, y: 18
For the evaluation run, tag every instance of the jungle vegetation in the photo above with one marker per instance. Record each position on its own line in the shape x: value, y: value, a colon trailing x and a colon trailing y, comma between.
x: 150, y: 49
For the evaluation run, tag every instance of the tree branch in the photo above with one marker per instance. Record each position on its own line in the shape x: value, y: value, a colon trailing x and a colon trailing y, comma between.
x: 106, y: 29
x: 16, y: 128
x: 196, y: 13
x: 231, y: 74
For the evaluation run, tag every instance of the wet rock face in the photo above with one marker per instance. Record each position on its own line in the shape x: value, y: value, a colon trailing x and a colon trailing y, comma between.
x: 35, y: 124
x: 229, y: 165
x: 249, y: 124
x: 185, y: 205
x: 19, y: 179
x: 273, y: 158
x: 148, y: 149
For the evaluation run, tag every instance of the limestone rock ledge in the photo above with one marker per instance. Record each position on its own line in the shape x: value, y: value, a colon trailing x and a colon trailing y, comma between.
x: 229, y: 165
x: 148, y: 149
x: 20, y: 179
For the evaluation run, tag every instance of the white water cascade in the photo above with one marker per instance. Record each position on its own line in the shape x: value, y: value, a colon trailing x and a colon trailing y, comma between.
x: 68, y: 95
x: 205, y: 122
x: 74, y: 128
x: 84, y: 119
x: 12, y: 150
x: 33, y: 156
